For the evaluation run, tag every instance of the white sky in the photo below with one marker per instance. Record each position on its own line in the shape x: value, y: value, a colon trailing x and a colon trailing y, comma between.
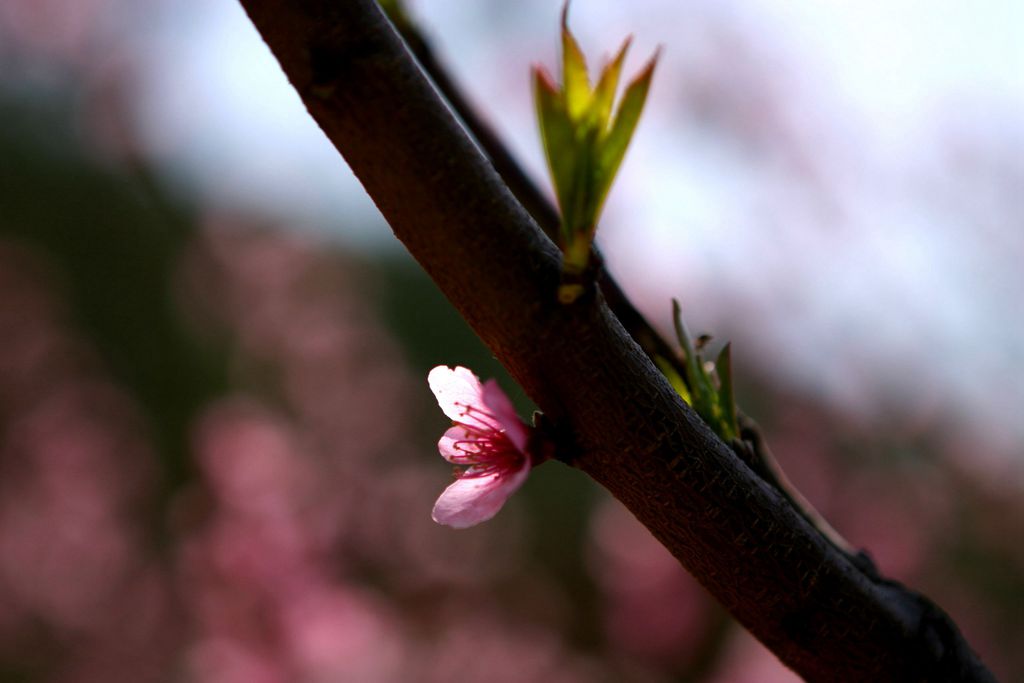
x: 817, y: 210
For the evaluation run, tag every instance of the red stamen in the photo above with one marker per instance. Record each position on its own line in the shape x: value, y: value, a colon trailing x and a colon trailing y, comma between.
x: 487, y: 419
x: 486, y: 455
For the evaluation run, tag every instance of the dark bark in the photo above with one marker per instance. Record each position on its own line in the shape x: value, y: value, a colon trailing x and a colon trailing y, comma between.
x: 819, y: 612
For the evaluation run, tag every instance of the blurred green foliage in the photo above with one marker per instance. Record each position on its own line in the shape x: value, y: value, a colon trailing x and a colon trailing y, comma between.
x: 115, y: 240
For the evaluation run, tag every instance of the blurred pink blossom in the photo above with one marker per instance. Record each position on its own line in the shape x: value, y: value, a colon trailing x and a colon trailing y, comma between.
x: 745, y: 660
x: 82, y: 598
x: 268, y: 602
x: 654, y: 610
x: 488, y: 439
x: 475, y: 647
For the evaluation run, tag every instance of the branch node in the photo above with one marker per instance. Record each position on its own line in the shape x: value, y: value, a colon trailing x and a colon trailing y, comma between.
x: 556, y: 441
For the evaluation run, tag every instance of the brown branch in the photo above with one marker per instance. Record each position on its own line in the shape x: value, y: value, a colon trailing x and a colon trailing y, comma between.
x: 528, y: 194
x: 815, y: 609
x: 752, y: 448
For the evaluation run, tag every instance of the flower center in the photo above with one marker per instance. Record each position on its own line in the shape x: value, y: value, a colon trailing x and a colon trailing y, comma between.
x: 486, y: 450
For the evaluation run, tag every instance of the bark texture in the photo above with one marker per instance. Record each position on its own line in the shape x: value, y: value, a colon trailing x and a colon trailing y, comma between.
x: 823, y: 616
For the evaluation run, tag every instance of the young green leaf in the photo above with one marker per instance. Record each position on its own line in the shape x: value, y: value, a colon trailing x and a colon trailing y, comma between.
x: 577, y: 127
x: 607, y: 84
x: 574, y: 72
x: 557, y: 137
x: 689, y: 355
x: 617, y: 140
x: 709, y: 384
x: 674, y: 379
x: 723, y: 366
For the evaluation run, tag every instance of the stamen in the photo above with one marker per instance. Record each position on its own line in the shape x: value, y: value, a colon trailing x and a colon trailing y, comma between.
x: 490, y: 454
x: 487, y: 419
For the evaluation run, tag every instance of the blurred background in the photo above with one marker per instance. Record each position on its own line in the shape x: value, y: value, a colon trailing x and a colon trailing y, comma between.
x: 217, y: 446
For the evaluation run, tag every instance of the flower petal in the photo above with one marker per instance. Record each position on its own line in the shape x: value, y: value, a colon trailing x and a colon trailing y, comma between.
x: 455, y: 434
x: 471, y: 500
x: 501, y: 407
x: 456, y: 390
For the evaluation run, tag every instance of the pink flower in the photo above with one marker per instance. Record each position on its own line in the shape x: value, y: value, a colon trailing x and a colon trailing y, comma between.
x: 488, y: 439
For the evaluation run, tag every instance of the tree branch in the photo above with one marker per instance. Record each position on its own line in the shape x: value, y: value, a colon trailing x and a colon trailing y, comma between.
x: 752, y: 448
x: 806, y: 601
x: 529, y: 195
